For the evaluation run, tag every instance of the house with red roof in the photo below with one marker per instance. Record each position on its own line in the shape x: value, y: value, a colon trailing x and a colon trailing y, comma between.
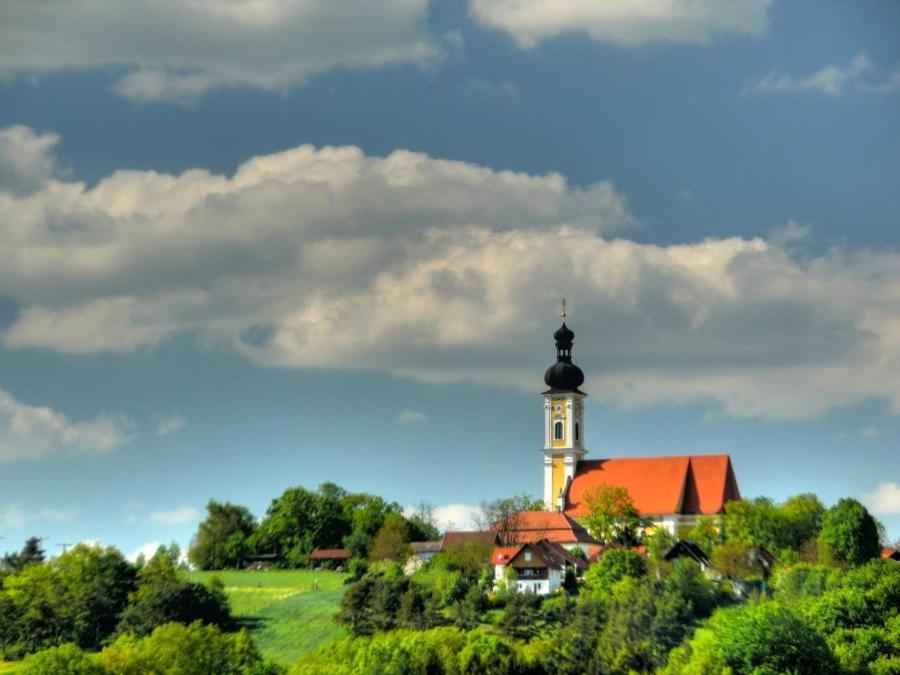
x: 670, y: 490
x: 535, y: 567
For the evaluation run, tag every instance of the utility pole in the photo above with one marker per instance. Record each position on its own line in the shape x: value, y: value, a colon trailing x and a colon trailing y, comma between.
x: 64, y: 547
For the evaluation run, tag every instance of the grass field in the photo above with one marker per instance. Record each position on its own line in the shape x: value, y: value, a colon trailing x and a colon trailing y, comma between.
x: 285, y: 615
x: 7, y: 667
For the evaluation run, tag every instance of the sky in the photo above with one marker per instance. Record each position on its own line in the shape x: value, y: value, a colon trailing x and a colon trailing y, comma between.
x: 252, y: 244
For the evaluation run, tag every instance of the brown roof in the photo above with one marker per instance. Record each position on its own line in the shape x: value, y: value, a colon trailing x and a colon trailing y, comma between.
x: 453, y: 540
x: 425, y: 546
x: 688, y: 484
x: 330, y: 554
x: 527, y: 526
x: 551, y: 553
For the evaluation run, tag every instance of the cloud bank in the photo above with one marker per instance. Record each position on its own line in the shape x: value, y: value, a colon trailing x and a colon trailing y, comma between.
x: 443, y: 271
x: 35, y: 432
x: 630, y: 23
x: 175, y: 51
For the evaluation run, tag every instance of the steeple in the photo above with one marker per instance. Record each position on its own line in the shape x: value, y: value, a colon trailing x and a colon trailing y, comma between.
x: 563, y: 423
x: 564, y: 376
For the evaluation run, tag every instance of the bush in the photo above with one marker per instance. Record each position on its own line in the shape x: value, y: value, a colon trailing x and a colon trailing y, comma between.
x: 163, y: 597
x: 850, y: 533
x: 762, y: 638
x: 431, y: 652
x: 613, y: 565
x: 67, y: 659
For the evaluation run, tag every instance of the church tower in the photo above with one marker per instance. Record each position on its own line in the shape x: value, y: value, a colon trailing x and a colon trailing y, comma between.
x: 563, y: 419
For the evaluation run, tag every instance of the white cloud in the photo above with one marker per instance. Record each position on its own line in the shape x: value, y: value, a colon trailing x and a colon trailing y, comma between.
x: 623, y: 22
x: 175, y: 51
x: 35, y: 432
x: 457, y: 517
x: 447, y: 271
x: 147, y: 550
x: 411, y: 417
x: 884, y: 500
x: 168, y: 424
x: 832, y: 80
x: 17, y: 516
x: 176, y: 516
x: 26, y: 158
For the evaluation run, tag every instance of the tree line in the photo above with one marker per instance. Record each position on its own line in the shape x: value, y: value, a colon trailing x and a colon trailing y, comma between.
x: 302, y: 520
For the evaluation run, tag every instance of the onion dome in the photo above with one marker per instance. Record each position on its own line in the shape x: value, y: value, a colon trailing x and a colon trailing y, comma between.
x: 564, y: 376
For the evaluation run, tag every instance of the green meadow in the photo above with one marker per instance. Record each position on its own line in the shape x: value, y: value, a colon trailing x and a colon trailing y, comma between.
x: 288, y: 612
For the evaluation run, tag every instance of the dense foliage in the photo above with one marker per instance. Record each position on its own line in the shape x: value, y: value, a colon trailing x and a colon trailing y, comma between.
x: 89, y: 594
x: 301, y: 520
x: 196, y: 649
x: 612, y: 517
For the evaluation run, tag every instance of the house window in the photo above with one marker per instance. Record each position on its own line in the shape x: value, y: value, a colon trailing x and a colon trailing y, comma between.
x: 527, y: 556
x: 576, y: 431
x: 558, y: 431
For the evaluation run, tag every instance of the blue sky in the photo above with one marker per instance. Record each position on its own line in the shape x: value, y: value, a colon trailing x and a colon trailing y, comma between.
x: 264, y: 244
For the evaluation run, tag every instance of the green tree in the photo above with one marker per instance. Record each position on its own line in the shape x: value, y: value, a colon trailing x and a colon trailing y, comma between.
x: 755, y: 638
x: 758, y: 522
x: 66, y: 659
x: 736, y: 560
x: 365, y: 513
x: 76, y: 597
x: 850, y: 532
x: 612, y: 516
x: 162, y: 596
x: 32, y: 552
x: 392, y: 540
x: 803, y: 516
x: 707, y: 533
x: 222, y: 539
x: 643, y: 622
x: 613, y: 565
x: 521, y: 615
x: 196, y: 649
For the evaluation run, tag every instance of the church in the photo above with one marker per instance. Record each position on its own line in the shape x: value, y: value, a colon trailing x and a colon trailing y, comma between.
x: 672, y: 491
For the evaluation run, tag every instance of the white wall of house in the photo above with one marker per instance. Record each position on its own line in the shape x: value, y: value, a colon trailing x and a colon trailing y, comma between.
x: 546, y: 586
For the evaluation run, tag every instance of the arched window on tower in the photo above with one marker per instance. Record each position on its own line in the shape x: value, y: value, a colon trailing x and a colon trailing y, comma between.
x: 577, y: 429
x: 558, y: 431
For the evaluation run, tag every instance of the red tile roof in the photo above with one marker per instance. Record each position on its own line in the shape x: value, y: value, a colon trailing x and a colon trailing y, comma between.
x: 688, y: 484
x: 330, y: 554
x: 891, y: 553
x: 501, y: 555
x: 528, y: 526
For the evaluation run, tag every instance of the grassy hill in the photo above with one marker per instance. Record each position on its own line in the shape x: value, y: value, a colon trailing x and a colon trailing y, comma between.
x: 286, y: 615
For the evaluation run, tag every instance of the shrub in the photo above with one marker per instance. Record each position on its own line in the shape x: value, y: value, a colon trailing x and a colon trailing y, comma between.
x: 67, y: 659
x: 613, y: 565
x: 761, y: 638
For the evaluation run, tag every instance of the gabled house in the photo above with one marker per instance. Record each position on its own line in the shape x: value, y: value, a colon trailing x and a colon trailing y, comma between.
x: 688, y: 549
x: 535, y: 567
